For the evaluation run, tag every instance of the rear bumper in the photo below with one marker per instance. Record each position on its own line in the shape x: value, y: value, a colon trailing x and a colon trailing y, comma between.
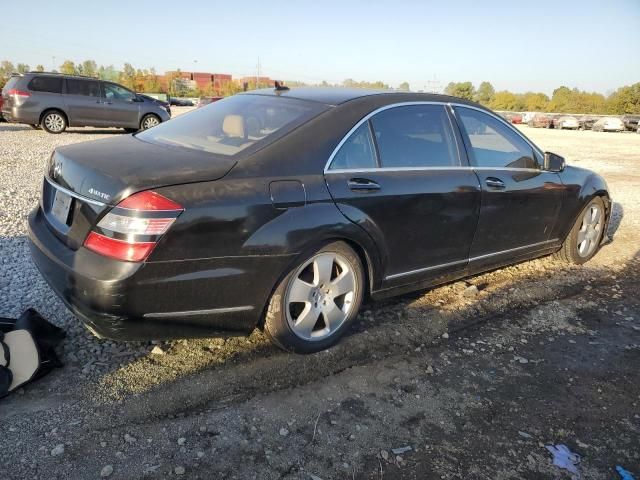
x: 20, y: 115
x: 155, y: 300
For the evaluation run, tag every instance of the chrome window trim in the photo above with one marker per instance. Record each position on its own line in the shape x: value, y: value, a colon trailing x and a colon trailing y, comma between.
x: 367, y: 117
x: 74, y: 194
x: 469, y: 260
x: 412, y: 169
x: 500, y: 119
x: 375, y: 112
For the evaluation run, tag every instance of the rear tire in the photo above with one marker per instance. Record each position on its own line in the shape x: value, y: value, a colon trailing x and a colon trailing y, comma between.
x: 54, y: 121
x: 315, y: 303
x: 586, y: 234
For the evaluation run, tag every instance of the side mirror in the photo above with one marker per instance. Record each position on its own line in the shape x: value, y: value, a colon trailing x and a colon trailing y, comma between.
x: 553, y: 162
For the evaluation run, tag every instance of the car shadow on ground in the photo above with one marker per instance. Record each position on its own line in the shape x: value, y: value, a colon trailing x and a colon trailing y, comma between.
x: 193, y: 373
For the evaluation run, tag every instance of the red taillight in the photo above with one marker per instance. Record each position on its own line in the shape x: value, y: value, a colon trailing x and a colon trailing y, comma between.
x: 19, y: 93
x: 133, y: 227
x: 119, y: 249
x: 149, y: 201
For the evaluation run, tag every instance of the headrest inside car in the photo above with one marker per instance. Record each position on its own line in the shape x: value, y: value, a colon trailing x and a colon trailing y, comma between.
x: 233, y: 126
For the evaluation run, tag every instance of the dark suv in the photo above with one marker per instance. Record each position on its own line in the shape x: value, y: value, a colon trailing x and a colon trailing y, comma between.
x: 56, y: 101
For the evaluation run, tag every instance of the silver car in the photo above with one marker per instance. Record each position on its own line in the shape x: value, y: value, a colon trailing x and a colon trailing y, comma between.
x: 55, y: 102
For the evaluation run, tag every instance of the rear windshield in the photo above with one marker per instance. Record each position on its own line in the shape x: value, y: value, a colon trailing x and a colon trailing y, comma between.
x: 11, y: 83
x: 233, y: 124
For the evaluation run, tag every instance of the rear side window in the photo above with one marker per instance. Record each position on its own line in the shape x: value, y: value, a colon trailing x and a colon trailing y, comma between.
x: 234, y: 124
x: 415, y: 136
x: 88, y: 88
x: 493, y: 144
x: 357, y: 152
x: 46, y: 84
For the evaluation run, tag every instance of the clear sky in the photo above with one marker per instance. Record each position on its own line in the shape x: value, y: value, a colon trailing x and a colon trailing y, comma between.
x: 515, y: 44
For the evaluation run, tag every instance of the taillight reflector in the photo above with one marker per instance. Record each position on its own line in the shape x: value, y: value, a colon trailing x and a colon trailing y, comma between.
x: 119, y: 249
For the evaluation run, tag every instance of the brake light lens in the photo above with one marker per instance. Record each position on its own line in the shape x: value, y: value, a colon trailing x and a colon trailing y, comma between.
x: 118, y: 249
x: 131, y: 230
x: 19, y: 93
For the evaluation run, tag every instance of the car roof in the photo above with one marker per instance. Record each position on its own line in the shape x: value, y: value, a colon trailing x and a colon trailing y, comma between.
x: 338, y: 95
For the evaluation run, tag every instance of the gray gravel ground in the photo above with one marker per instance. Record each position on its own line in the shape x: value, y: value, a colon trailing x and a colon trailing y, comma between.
x: 455, y: 373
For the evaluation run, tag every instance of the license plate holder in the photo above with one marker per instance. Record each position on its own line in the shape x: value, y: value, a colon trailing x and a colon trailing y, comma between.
x: 61, y: 206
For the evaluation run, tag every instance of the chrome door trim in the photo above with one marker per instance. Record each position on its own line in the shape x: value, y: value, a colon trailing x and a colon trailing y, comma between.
x: 74, y: 194
x: 191, y: 313
x: 426, y: 269
x: 472, y: 259
x: 510, y: 250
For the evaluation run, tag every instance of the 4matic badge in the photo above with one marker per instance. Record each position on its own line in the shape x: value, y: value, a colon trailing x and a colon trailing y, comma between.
x: 102, y: 195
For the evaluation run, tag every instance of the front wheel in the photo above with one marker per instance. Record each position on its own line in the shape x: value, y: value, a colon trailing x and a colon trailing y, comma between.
x: 313, y: 306
x: 149, y: 121
x: 582, y: 242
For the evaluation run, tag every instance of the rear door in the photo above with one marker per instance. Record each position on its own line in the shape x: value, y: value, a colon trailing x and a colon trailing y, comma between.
x: 83, y: 99
x: 120, y: 106
x: 520, y: 201
x: 399, y: 174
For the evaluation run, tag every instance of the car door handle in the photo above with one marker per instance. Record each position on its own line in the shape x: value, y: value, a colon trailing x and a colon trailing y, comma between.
x: 495, y: 183
x: 362, y: 185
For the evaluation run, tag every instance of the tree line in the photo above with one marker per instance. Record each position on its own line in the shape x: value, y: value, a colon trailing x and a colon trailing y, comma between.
x: 625, y: 100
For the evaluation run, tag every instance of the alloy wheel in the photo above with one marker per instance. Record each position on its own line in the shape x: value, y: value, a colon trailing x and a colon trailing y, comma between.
x: 320, y: 296
x: 54, y: 122
x: 149, y: 122
x: 590, y: 231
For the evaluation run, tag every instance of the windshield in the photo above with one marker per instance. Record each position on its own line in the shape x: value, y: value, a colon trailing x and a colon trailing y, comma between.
x: 233, y: 124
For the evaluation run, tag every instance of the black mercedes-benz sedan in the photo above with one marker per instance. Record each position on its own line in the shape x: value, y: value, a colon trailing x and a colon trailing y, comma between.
x: 285, y: 209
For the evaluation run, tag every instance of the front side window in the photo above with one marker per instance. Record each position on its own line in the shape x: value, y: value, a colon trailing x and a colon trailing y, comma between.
x: 415, y: 136
x: 493, y: 144
x: 116, y: 92
x: 46, y: 84
x: 357, y: 152
x: 87, y: 88
x: 233, y: 124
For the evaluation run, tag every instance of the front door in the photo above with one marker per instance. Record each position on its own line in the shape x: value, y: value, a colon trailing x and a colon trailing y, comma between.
x: 120, y: 107
x: 83, y: 99
x: 520, y: 201
x: 399, y: 175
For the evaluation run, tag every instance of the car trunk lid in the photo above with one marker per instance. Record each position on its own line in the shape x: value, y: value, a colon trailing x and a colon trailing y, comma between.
x: 85, y: 180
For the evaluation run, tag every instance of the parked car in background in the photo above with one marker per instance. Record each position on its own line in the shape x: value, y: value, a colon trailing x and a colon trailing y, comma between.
x: 566, y: 122
x: 539, y: 120
x: 284, y: 209
x: 516, y: 118
x: 631, y: 122
x: 586, y: 122
x: 55, y: 102
x: 608, y: 124
x: 162, y: 103
x: 207, y: 100
x: 180, y: 102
